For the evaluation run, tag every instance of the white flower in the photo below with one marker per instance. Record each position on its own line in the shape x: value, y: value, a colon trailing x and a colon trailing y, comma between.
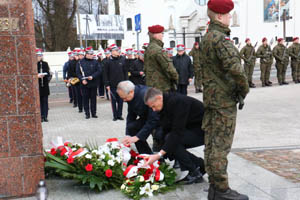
x: 111, y: 163
x: 141, y: 178
x: 74, y: 149
x: 118, y: 159
x: 102, y: 156
x: 88, y: 156
x: 123, y: 187
x: 95, y: 151
x: 146, y: 190
x: 115, y: 145
x: 155, y: 187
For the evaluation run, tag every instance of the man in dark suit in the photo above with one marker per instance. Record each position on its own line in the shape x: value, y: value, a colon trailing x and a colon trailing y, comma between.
x: 88, y: 71
x: 181, y: 120
x: 141, y: 121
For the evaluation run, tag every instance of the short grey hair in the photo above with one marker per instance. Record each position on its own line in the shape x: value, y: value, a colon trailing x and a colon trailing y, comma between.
x: 151, y: 93
x: 125, y: 86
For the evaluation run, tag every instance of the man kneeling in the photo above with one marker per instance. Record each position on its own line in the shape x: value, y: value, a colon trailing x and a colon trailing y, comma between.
x: 181, y: 120
x: 141, y: 120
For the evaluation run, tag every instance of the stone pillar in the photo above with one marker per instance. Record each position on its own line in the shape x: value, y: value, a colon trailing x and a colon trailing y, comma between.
x: 21, y: 159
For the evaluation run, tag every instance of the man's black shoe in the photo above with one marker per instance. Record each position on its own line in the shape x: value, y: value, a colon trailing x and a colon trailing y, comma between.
x: 270, y: 82
x: 80, y: 111
x: 42, y: 120
x: 87, y: 116
x: 71, y: 101
x: 45, y: 119
x: 114, y: 119
x: 176, y: 165
x: 193, y: 177
x: 120, y: 118
x: 94, y: 116
x: 285, y: 83
x: 252, y: 85
x: 229, y: 194
x: 74, y: 106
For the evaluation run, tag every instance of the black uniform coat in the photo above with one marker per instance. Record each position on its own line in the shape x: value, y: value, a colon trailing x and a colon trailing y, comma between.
x: 72, y: 69
x: 184, y: 67
x: 135, y: 77
x: 138, y: 110
x: 90, y: 67
x: 114, y: 71
x: 43, y: 67
x: 179, y: 113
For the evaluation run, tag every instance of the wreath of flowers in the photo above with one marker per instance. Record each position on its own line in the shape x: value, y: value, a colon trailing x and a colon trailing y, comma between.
x: 109, y: 166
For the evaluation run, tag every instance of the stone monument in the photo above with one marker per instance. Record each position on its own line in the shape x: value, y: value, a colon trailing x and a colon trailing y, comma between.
x: 21, y: 149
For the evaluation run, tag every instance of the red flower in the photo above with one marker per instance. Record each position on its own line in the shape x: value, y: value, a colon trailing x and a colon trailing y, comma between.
x: 70, y: 160
x: 133, y: 153
x: 136, y: 161
x: 53, y: 152
x: 89, y: 167
x: 108, y: 173
x: 146, y: 176
x: 67, y: 143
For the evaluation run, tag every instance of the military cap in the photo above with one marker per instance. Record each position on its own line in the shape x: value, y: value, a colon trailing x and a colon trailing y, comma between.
x: 80, y: 52
x: 220, y: 6
x: 196, y: 43
x: 170, y: 50
x: 39, y: 52
x: 180, y: 47
x: 70, y: 54
x: 129, y: 51
x: 135, y: 52
x: 89, y: 50
x: 141, y: 52
x: 99, y: 54
x: 156, y: 29
x: 247, y: 39
x: 295, y: 38
x: 145, y: 45
x: 114, y: 47
x: 264, y: 39
x: 279, y: 40
x: 106, y: 51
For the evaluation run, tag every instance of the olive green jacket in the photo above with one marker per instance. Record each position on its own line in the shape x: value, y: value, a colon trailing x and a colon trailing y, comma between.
x: 294, y: 51
x: 248, y: 54
x: 280, y: 52
x: 265, y: 54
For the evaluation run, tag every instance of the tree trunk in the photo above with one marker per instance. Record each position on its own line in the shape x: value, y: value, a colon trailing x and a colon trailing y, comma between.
x: 117, y: 12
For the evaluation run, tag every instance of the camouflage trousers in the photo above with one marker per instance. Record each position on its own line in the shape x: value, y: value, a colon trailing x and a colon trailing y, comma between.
x: 219, y: 127
x: 281, y: 71
x: 198, y: 79
x: 249, y: 68
x: 265, y: 69
x: 295, y: 70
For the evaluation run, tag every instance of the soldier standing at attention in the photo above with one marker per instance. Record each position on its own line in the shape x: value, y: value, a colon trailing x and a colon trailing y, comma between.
x: 248, y: 55
x: 195, y: 53
x: 266, y: 60
x: 294, y: 51
x: 224, y: 80
x: 159, y: 70
x: 280, y: 52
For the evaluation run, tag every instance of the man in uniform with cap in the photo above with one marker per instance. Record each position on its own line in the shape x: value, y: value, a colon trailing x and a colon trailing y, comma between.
x: 115, y: 72
x: 264, y: 52
x: 65, y: 70
x: 294, y: 51
x: 248, y: 55
x: 184, y: 68
x: 88, y: 71
x: 225, y: 84
x: 280, y: 52
x: 159, y: 70
x: 137, y: 75
x: 170, y: 52
x: 195, y: 53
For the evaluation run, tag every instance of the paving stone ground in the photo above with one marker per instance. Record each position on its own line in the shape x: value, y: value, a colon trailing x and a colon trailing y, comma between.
x: 269, y: 120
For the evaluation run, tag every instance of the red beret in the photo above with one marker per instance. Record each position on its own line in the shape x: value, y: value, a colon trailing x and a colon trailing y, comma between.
x: 295, y: 38
x: 156, y: 29
x: 196, y: 43
x: 264, y: 39
x: 247, y: 39
x: 220, y: 6
x: 279, y: 40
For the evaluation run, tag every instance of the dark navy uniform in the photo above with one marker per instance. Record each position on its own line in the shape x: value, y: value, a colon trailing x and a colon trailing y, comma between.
x: 85, y: 68
x: 135, y: 76
x: 65, y: 71
x: 141, y: 120
x: 43, y: 67
x: 115, y: 72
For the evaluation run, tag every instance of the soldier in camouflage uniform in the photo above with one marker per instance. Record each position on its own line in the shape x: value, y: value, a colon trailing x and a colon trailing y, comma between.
x: 159, y: 70
x: 264, y: 52
x: 294, y: 51
x: 224, y: 81
x: 195, y: 53
x: 248, y: 55
x: 280, y: 52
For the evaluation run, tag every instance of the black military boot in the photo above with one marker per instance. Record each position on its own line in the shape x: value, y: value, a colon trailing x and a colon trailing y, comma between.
x: 268, y: 84
x: 193, y: 177
x: 285, y: 83
x: 229, y: 194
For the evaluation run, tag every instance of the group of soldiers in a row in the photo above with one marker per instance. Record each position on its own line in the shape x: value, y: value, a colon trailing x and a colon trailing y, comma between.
x: 282, y: 55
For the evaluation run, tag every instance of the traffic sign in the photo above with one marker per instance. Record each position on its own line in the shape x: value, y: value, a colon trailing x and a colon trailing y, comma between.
x: 137, y: 19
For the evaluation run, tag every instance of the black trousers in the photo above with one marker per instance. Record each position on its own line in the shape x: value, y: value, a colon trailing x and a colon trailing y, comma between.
x: 70, y: 93
x: 182, y: 89
x: 142, y: 146
x: 101, y: 86
x: 187, y: 160
x: 44, y: 106
x: 78, y: 96
x: 116, y: 103
x: 89, y: 100
x: 73, y: 88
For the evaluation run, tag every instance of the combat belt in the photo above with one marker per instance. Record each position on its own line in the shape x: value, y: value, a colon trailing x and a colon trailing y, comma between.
x: 239, y: 99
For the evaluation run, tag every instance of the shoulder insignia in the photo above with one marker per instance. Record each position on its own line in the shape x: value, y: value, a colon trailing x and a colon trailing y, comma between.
x: 227, y: 38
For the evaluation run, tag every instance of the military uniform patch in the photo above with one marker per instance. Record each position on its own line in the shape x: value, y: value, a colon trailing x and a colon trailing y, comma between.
x: 227, y: 38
